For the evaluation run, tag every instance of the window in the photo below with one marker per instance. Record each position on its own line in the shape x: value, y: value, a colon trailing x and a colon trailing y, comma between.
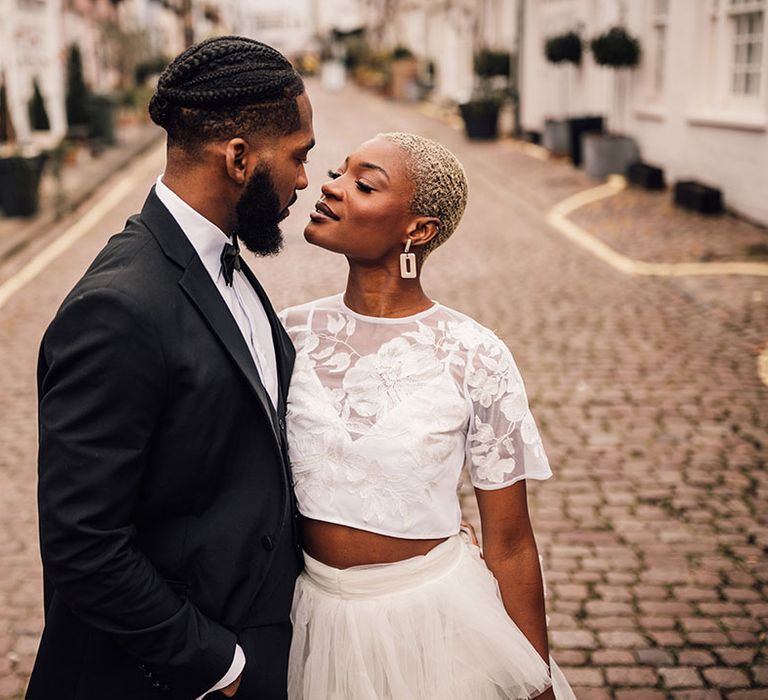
x: 747, y: 19
x: 731, y: 73
x: 270, y: 20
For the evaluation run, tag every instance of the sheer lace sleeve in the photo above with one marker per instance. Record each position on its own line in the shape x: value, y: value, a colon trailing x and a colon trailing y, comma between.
x: 503, y: 442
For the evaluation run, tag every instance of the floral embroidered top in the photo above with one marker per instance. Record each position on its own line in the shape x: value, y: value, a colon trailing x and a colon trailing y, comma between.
x: 383, y: 413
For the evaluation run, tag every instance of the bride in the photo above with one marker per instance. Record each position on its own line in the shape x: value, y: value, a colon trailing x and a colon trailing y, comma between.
x: 391, y: 395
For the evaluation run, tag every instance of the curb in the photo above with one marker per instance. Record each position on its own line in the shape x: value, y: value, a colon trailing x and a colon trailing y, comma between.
x: 49, y: 217
x: 557, y: 217
x: 81, y: 225
x: 762, y: 366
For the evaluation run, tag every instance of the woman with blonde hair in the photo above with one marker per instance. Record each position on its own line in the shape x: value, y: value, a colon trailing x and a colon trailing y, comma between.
x: 391, y: 394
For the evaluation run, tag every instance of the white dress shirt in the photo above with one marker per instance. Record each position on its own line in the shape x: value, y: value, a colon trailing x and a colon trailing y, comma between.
x: 208, y: 241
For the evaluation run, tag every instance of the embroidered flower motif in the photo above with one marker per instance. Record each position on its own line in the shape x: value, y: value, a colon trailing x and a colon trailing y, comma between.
x: 492, y: 468
x: 386, y: 493
x: 485, y: 387
x: 468, y: 334
x: 305, y: 341
x: 514, y: 405
x: 379, y: 382
x: 528, y: 430
x: 381, y: 416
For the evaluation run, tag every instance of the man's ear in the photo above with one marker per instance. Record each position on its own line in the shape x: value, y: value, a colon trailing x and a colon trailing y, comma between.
x: 423, y: 229
x: 237, y: 151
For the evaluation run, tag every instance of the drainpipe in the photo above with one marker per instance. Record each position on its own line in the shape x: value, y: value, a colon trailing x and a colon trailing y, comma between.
x: 518, y: 68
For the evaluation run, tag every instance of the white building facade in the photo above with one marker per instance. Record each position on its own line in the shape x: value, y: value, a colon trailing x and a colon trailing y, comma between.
x: 698, y: 102
x: 288, y: 26
x: 448, y: 34
x: 31, y: 37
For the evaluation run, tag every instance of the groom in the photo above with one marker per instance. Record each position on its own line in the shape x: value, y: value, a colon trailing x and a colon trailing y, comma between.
x: 167, y: 520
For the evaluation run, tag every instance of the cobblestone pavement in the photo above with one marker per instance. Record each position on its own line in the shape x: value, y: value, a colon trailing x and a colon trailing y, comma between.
x: 648, y: 226
x: 655, y: 529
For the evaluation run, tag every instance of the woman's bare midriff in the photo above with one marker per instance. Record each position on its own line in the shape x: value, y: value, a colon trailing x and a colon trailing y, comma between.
x: 340, y: 546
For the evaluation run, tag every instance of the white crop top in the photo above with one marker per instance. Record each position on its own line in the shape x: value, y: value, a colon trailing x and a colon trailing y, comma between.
x: 383, y: 412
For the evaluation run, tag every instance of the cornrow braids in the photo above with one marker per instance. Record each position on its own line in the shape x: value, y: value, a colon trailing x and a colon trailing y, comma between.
x: 223, y: 87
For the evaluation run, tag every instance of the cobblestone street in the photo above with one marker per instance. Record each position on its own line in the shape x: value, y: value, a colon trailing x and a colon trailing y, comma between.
x: 654, y: 530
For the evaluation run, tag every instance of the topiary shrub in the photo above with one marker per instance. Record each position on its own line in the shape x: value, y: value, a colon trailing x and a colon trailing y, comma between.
x: 401, y: 52
x: 564, y: 48
x: 616, y: 49
x: 7, y: 132
x: 152, y: 66
x: 77, y: 90
x: 38, y: 116
x: 489, y: 63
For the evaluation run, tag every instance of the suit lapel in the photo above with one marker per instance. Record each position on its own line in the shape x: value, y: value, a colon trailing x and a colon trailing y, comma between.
x: 201, y: 290
x: 197, y: 284
x: 284, y: 350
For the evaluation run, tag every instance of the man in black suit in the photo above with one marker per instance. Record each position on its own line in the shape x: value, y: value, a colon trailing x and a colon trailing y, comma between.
x: 167, y: 520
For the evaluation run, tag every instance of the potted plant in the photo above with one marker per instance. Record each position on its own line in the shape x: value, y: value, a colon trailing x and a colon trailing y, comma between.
x: 38, y: 115
x: 698, y: 197
x: 645, y: 175
x: 101, y: 121
x: 20, y: 171
x: 561, y: 50
x: 613, y: 152
x: 7, y: 132
x: 481, y: 112
x: 77, y: 96
x: 150, y: 67
x: 403, y: 73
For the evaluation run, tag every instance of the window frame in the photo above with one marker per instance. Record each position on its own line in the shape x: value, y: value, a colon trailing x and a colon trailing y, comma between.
x: 729, y: 13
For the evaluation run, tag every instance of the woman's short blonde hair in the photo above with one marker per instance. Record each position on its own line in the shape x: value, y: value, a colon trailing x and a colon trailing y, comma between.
x: 439, y: 183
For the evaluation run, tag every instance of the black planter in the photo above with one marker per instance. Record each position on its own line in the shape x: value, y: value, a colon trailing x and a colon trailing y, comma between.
x: 695, y: 196
x: 533, y: 137
x: 577, y: 126
x: 20, y: 184
x: 645, y: 175
x: 101, y: 113
x: 481, y: 119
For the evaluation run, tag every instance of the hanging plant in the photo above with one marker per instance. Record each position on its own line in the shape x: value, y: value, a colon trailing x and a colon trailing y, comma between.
x: 400, y: 53
x: 563, y: 48
x: 38, y: 115
x: 489, y: 63
x: 616, y: 49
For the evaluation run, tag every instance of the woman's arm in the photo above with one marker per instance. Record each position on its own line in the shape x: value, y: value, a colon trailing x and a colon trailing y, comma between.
x: 510, y: 553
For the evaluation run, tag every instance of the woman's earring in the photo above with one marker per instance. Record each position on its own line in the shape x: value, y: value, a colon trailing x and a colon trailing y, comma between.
x: 407, y: 262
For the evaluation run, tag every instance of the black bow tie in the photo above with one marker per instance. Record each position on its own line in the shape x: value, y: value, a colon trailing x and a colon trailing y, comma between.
x: 230, y: 260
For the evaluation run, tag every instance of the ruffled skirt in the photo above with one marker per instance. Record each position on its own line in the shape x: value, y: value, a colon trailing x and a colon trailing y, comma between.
x: 428, y: 627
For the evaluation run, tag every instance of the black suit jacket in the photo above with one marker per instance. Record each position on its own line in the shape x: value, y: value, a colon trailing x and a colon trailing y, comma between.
x: 167, y: 520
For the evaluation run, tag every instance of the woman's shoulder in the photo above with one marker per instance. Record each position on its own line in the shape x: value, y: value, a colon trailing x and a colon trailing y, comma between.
x: 469, y: 333
x: 299, y: 315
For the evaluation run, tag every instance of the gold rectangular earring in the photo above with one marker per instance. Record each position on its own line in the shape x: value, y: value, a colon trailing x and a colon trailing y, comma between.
x: 407, y: 262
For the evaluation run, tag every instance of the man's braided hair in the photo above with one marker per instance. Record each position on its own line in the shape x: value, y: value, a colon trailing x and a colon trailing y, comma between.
x: 225, y: 87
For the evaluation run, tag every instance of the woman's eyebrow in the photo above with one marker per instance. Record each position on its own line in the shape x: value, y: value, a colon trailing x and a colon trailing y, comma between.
x: 373, y: 166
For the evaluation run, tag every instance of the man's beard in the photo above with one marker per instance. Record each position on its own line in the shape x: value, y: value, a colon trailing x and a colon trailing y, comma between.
x: 259, y: 215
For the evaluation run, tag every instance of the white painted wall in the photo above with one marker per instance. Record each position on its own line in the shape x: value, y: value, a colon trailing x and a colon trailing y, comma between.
x: 289, y: 26
x: 692, y: 127
x: 31, y: 37
x: 343, y: 15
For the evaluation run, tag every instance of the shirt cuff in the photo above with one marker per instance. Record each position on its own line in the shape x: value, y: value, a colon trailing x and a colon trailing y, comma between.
x: 238, y: 664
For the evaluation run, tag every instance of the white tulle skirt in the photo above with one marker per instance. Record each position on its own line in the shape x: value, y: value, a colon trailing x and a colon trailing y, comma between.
x: 428, y: 627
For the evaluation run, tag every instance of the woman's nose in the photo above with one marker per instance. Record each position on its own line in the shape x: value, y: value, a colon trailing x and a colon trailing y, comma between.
x: 332, y: 190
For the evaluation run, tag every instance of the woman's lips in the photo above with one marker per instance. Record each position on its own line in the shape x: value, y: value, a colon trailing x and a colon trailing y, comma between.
x: 323, y: 212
